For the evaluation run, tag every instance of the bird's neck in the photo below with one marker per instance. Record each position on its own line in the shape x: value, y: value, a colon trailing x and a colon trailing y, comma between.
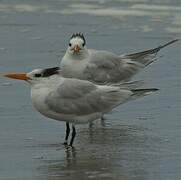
x: 79, y: 56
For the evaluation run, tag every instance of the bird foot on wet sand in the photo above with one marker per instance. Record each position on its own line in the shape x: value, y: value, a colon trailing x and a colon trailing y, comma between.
x: 65, y: 143
x: 68, y: 146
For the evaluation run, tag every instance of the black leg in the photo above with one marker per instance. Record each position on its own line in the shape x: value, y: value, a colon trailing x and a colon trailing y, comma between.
x: 103, y: 121
x: 67, y: 133
x: 90, y: 125
x: 102, y: 118
x: 73, y: 135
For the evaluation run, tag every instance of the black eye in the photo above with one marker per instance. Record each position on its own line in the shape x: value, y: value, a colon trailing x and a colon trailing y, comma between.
x: 37, y: 75
x: 83, y: 44
x: 70, y: 44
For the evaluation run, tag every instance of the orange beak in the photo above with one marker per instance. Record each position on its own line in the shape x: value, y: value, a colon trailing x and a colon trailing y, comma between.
x: 20, y: 76
x: 76, y: 49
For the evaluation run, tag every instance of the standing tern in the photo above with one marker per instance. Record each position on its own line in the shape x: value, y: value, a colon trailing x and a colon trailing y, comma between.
x: 103, y: 67
x: 72, y: 100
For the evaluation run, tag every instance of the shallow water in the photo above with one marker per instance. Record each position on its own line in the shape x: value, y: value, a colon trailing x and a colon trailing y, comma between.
x: 139, y: 140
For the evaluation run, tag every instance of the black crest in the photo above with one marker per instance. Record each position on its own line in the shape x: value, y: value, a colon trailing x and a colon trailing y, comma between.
x: 50, y: 71
x: 80, y: 35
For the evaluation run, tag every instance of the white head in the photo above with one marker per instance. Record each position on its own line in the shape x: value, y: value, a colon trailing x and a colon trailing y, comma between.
x: 36, y: 76
x: 76, y: 44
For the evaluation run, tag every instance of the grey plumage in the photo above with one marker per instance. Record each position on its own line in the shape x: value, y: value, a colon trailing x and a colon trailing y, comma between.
x: 104, y: 67
x: 148, y: 56
x: 78, y: 97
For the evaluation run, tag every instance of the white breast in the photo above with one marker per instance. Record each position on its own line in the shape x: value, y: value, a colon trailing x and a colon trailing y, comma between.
x: 38, y: 96
x: 73, y: 68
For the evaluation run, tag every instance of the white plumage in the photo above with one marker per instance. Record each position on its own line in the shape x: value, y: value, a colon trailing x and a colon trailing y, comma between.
x: 75, y: 101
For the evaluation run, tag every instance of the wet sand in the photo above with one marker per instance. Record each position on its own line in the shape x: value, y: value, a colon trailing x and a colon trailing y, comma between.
x: 139, y: 140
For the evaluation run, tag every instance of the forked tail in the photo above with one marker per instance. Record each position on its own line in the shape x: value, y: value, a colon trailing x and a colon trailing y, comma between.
x: 137, y: 93
x: 148, y: 56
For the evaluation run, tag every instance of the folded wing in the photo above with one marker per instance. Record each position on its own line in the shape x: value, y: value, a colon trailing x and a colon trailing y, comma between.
x: 105, y: 67
x: 82, y: 98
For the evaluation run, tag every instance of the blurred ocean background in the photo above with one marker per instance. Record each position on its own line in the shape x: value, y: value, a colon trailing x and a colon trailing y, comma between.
x: 139, y: 140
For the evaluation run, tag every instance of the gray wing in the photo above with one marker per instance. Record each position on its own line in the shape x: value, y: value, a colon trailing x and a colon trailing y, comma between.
x: 76, y: 97
x: 105, y: 67
x: 148, y: 56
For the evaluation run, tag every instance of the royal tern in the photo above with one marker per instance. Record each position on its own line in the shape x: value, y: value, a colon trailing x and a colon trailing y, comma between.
x: 72, y: 100
x: 102, y: 66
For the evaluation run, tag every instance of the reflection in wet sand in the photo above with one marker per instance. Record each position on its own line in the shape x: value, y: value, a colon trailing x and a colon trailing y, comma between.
x: 101, y: 152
